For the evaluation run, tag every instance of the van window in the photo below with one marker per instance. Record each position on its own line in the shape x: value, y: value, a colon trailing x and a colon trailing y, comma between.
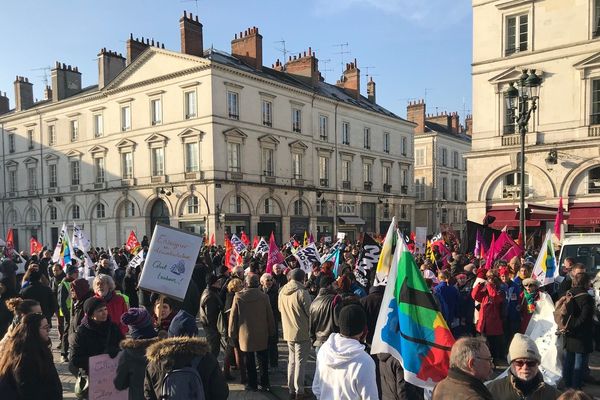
x: 587, y: 254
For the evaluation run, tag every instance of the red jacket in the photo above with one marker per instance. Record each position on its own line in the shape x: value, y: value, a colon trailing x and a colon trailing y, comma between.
x: 116, y: 307
x: 490, y: 313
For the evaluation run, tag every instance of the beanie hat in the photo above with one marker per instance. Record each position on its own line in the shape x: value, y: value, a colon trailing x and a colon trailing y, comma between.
x: 35, y: 276
x: 531, y: 281
x: 352, y: 320
x: 523, y: 347
x: 297, y: 274
x: 81, y: 287
x: 183, y: 324
x: 92, y: 304
x: 139, y: 321
x: 72, y: 269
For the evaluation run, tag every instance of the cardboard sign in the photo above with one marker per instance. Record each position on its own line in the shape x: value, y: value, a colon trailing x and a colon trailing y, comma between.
x: 170, y: 261
x: 103, y: 370
x: 341, y: 235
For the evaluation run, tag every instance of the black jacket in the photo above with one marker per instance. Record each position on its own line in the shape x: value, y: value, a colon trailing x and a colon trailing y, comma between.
x: 132, y: 367
x: 210, y: 308
x: 44, y: 295
x: 391, y: 382
x: 579, y: 337
x: 76, y: 316
x: 178, y: 352
x: 321, y: 317
x: 372, y: 304
x: 31, y: 384
x: 93, y: 339
x: 273, y: 294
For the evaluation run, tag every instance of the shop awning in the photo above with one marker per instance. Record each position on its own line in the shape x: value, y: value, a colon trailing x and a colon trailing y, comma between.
x: 509, y: 218
x: 351, y: 220
x: 584, y: 214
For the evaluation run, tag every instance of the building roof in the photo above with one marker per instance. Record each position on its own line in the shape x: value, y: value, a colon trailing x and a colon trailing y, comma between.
x: 432, y: 127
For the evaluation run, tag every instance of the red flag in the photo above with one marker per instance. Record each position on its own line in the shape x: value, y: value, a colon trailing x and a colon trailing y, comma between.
x: 244, y: 238
x: 255, y: 242
x: 558, y: 221
x: 229, y: 256
x: 275, y: 256
x: 519, y: 240
x: 34, y: 246
x: 132, y: 243
x: 212, y: 241
x: 489, y: 260
x: 10, y: 244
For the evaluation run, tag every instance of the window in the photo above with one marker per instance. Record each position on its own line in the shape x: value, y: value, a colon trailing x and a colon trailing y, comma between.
x: 156, y: 111
x: 98, y: 125
x: 455, y: 189
x: 386, y: 142
x: 465, y: 190
x: 12, y: 181
x: 52, y: 176
x: 510, y: 123
x: 404, y: 211
x: 404, y: 148
x: 191, y: 157
x: 594, y: 118
x: 323, y: 171
x: 75, y: 172
x: 596, y: 22
x: 192, y: 205
x: 53, y: 213
x: 367, y: 138
x: 298, y: 207
x: 30, y: 138
x: 516, y: 34
x: 75, y: 214
x: 235, y: 204
x: 51, y: 135
x: 129, y: 209
x: 346, y: 208
x: 267, y: 158
x: 419, y: 157
x: 387, y: 172
x: 267, y: 113
x: 233, y: 107
x: 345, y: 133
x: 158, y: 161
x: 100, y: 211
x: 420, y: 188
x: 297, y: 165
x: 269, y: 206
x: 455, y: 159
x: 233, y: 157
x: 11, y: 142
x: 296, y: 120
x: 323, y: 122
x: 347, y: 172
x: 74, y: 130
x: 99, y: 169
x: 444, y: 188
x: 444, y: 157
x: 31, y: 179
x: 367, y: 173
x: 190, y: 104
x: 127, y: 165
x: 444, y: 216
x: 322, y: 208
x: 32, y: 215
x: 512, y: 185
x: 404, y: 187
x: 125, y: 118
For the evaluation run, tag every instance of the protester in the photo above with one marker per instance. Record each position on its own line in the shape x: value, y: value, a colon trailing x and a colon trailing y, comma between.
x: 511, y: 312
x: 80, y: 292
x: 271, y: 289
x: 390, y: 380
x: 65, y: 302
x: 524, y: 380
x: 447, y: 297
x: 470, y: 365
x: 528, y: 301
x: 26, y: 364
x: 343, y: 369
x: 183, y: 324
x: 489, y: 324
x: 211, y: 308
x: 278, y: 275
x: 19, y: 308
x: 164, y: 312
x: 41, y: 293
x: 466, y: 306
x: 572, y: 394
x: 294, y: 306
x: 104, y: 288
x: 232, y: 346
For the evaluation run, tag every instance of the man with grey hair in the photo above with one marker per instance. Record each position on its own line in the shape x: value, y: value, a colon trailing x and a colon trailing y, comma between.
x: 470, y: 365
x: 251, y: 323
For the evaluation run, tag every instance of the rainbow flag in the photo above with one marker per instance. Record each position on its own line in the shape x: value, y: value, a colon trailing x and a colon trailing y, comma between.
x: 545, y: 269
x: 410, y: 326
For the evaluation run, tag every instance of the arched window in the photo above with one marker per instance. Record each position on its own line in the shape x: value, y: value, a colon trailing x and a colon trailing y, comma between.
x: 192, y: 205
x: 235, y: 205
x: 512, y: 185
x: 269, y: 206
x: 100, y: 211
x: 594, y: 180
x: 53, y: 213
x: 298, y: 207
x: 75, y: 214
x: 129, y: 209
x: 32, y: 215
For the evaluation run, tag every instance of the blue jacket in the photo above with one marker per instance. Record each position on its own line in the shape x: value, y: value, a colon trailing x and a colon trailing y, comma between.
x: 447, y: 297
x: 511, y: 305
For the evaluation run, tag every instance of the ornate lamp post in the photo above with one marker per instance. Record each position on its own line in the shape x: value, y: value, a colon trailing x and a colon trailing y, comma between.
x: 521, y: 102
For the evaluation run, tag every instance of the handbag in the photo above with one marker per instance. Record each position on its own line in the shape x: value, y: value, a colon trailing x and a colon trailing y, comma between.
x: 82, y: 385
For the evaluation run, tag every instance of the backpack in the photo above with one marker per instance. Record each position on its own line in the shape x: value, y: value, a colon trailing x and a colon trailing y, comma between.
x: 561, y: 314
x: 183, y: 383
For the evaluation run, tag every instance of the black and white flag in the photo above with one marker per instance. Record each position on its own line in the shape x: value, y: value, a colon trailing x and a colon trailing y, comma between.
x: 369, y: 254
x: 306, y: 256
x: 262, y: 247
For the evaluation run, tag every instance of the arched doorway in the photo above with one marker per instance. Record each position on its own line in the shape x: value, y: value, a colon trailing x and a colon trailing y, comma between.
x: 159, y: 213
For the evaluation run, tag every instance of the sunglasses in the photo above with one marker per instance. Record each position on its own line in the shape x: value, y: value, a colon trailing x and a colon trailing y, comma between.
x: 521, y: 363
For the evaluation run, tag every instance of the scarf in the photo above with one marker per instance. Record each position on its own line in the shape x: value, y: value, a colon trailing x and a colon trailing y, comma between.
x: 101, y: 327
x: 527, y: 388
x: 530, y: 299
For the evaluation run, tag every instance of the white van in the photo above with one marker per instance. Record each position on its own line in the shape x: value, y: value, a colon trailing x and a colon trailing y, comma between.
x: 584, y: 248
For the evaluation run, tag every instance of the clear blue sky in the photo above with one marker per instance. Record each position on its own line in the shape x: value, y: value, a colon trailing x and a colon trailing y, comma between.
x: 415, y: 46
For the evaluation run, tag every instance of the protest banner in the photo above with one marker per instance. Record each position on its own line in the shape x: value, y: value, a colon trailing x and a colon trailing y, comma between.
x: 103, y: 370
x: 420, y: 239
x: 306, y: 256
x: 170, y: 261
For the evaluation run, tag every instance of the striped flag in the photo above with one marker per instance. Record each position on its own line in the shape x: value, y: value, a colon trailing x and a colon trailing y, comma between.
x: 545, y: 269
x: 385, y: 258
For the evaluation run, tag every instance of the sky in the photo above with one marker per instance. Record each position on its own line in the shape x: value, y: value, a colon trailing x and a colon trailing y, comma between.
x: 413, y: 49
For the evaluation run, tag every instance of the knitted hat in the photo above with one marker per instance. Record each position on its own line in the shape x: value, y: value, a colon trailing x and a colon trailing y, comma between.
x: 531, y: 281
x: 523, y: 347
x: 92, y: 304
x: 183, y: 324
x: 81, y: 287
x: 72, y: 269
x: 139, y: 321
x: 352, y: 320
x: 297, y: 274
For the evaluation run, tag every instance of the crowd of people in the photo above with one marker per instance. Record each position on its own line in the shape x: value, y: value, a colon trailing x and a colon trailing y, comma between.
x: 328, y: 315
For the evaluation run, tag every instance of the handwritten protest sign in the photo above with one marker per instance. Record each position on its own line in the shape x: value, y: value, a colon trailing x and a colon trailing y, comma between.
x: 103, y: 370
x: 170, y: 261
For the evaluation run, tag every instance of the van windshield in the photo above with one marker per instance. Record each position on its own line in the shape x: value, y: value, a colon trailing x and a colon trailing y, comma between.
x: 587, y: 254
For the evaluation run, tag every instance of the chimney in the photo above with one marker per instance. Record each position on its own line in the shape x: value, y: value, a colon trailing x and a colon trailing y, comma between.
x: 23, y: 94
x: 278, y: 66
x: 415, y: 112
x: 48, y: 93
x: 455, y: 123
x: 4, y: 104
x: 66, y: 81
x: 443, y: 119
x: 350, y: 80
x: 191, y: 35
x: 305, y: 65
x: 371, y: 90
x: 135, y: 47
x: 248, y: 48
x: 469, y: 125
x: 110, y: 64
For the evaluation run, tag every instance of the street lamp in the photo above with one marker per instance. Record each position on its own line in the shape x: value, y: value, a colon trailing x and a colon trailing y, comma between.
x: 521, y: 102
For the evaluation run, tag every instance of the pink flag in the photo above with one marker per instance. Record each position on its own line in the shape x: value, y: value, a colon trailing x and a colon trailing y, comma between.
x: 275, y: 256
x: 506, y: 248
x: 311, y: 238
x: 489, y: 260
x: 558, y: 221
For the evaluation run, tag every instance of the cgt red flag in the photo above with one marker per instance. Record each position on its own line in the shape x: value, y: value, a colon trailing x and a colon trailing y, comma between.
x: 34, y: 246
x: 10, y: 243
x: 255, y: 242
x: 133, y: 244
x: 244, y: 238
x: 558, y: 221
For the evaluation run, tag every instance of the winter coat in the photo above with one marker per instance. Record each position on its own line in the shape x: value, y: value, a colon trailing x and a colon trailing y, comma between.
x: 30, y: 384
x: 506, y: 389
x: 490, y: 320
x: 93, y: 339
x: 174, y: 353
x: 116, y: 307
x: 525, y: 314
x: 294, y: 306
x: 251, y: 321
x: 132, y: 367
x: 273, y: 294
x: 44, y: 295
x: 466, y: 305
x: 459, y: 385
x: 321, y: 317
x: 372, y: 304
x: 579, y: 337
x: 512, y: 310
x: 344, y: 370
x: 211, y: 307
x: 191, y: 302
x: 391, y: 380
x: 447, y: 297
x: 76, y: 316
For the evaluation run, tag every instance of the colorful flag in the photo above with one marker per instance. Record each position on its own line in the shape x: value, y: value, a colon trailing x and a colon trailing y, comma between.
x: 306, y: 256
x: 558, y: 221
x: 80, y: 240
x: 10, y: 243
x: 244, y: 238
x: 137, y: 260
x: 232, y: 258
x: 238, y: 244
x: 275, y: 256
x: 385, y: 259
x: 305, y: 241
x: 59, y: 244
x: 410, y: 326
x: 133, y: 245
x: 545, y: 269
x: 480, y: 247
x: 489, y: 259
x: 66, y: 252
x: 261, y: 247
x: 311, y: 238
x: 34, y: 246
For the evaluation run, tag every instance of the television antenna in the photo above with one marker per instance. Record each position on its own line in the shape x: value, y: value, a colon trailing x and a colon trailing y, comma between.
x: 45, y: 73
x: 283, y: 50
x: 343, y: 51
x: 325, y: 69
x: 189, y: 1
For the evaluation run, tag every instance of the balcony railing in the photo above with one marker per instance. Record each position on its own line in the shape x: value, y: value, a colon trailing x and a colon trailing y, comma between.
x: 594, y: 185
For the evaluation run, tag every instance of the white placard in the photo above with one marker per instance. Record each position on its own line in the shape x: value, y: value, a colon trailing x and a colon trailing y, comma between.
x: 103, y: 370
x: 341, y: 235
x: 420, y: 239
x: 170, y: 261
